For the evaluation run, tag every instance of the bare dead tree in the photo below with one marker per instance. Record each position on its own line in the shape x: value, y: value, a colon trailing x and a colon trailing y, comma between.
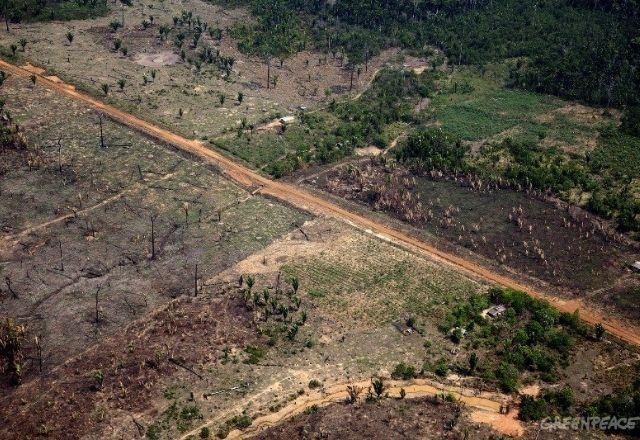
x: 59, y: 142
x: 153, y: 237
x: 195, y: 281
x: 181, y: 365
x: 306, y: 237
x: 97, y: 308
x: 140, y: 428
x: 352, y: 70
x: 268, y: 73
x: 102, y: 144
x: 7, y: 281
x: 6, y: 16
x: 61, y: 257
x: 38, y: 344
x: 89, y: 226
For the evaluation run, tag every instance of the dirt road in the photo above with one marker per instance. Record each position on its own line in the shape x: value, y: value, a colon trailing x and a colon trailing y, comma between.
x: 320, y: 206
x: 485, y: 406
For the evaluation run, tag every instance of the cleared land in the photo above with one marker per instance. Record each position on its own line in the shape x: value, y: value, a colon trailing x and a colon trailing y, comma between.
x: 200, y: 102
x: 77, y: 249
x: 317, y: 204
x: 180, y: 299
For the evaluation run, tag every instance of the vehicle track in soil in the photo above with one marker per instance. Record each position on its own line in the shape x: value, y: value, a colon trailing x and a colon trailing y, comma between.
x: 486, y: 404
x: 303, y: 199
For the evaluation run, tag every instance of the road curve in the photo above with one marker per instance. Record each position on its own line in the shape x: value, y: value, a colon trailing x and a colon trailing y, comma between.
x: 489, y: 403
x: 321, y: 206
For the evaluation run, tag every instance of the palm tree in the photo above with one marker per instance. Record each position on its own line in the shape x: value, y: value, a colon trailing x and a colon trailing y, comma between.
x: 378, y: 386
x: 70, y: 37
x: 250, y: 282
x: 295, y: 284
x: 105, y: 89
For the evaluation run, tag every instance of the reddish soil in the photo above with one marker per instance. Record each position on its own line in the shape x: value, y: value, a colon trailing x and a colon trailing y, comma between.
x: 305, y: 200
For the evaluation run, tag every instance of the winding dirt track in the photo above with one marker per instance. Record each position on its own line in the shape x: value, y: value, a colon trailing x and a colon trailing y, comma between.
x: 320, y: 206
x: 486, y: 404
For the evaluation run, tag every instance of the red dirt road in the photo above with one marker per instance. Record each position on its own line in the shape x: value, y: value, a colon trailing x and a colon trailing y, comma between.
x: 320, y: 206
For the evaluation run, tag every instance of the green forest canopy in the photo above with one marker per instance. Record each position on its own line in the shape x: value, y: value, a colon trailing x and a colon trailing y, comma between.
x: 38, y: 10
x: 576, y: 49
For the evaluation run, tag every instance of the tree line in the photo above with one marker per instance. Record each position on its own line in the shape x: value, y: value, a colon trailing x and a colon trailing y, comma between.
x: 576, y: 49
x: 15, y: 11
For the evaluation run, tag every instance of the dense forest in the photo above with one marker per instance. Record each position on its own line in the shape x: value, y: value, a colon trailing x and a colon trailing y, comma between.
x: 37, y: 10
x: 576, y: 49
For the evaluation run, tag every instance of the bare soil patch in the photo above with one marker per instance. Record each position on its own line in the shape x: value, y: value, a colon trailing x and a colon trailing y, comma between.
x: 164, y: 58
x: 387, y: 418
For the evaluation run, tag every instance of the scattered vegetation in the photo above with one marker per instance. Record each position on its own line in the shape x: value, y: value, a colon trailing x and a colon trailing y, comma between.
x: 182, y: 417
x: 327, y: 136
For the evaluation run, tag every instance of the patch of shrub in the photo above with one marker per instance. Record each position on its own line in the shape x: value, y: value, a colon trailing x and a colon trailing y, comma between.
x: 403, y: 371
x: 434, y: 149
x: 255, y: 354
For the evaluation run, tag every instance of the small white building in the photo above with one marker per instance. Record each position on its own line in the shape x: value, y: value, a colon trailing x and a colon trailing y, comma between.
x: 496, y: 311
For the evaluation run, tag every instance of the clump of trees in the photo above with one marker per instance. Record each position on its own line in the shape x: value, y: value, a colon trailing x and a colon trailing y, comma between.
x: 550, y: 402
x: 434, y: 148
x: 12, y: 350
x: 277, y: 309
x: 352, y: 124
x: 622, y: 403
x: 531, y: 336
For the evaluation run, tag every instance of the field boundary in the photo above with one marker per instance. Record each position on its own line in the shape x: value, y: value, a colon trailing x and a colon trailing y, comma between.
x: 305, y: 200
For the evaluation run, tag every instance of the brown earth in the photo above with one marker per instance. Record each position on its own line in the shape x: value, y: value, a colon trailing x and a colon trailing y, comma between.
x: 385, y: 418
x: 316, y: 204
x: 125, y: 371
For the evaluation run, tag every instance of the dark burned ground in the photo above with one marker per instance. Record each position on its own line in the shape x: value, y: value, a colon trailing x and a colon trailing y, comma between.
x: 105, y: 200
x: 391, y: 418
x: 386, y: 418
x: 563, y: 247
x: 126, y: 371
